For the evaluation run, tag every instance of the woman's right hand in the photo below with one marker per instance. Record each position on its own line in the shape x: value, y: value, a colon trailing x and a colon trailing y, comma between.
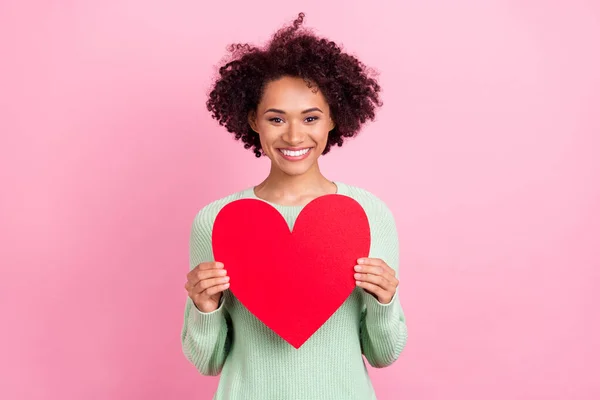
x: 205, y: 285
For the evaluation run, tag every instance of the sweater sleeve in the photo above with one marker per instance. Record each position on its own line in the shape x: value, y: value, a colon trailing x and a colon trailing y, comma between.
x: 383, y: 332
x: 205, y: 337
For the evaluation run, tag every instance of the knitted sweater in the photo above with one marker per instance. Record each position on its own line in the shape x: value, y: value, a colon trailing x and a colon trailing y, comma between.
x: 256, y: 364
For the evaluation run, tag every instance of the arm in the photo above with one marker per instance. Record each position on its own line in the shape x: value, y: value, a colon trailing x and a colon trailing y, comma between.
x: 205, y: 337
x: 383, y: 332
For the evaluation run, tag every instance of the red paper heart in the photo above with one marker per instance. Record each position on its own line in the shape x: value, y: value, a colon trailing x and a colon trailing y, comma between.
x: 292, y: 281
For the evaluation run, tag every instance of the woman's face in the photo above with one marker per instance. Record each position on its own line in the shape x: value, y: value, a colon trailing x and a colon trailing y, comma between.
x: 293, y: 123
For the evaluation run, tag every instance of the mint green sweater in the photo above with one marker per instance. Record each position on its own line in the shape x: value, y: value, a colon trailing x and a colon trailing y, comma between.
x: 256, y: 364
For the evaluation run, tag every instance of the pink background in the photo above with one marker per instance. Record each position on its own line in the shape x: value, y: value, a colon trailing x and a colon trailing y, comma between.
x: 485, y: 150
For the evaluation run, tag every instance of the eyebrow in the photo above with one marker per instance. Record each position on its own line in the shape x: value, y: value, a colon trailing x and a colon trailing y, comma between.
x: 303, y: 112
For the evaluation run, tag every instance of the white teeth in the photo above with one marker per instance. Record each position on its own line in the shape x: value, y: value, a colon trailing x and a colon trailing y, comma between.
x: 296, y: 153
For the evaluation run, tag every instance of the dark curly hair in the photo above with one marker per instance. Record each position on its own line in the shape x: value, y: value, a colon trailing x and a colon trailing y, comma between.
x: 349, y: 87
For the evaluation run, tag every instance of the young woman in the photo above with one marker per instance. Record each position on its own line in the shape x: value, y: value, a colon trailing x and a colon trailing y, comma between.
x: 291, y: 102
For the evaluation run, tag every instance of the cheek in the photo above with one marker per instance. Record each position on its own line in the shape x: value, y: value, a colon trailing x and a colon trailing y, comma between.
x: 267, y: 137
x: 321, y: 136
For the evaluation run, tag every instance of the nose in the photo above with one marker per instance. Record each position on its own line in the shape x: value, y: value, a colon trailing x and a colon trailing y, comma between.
x: 294, y: 135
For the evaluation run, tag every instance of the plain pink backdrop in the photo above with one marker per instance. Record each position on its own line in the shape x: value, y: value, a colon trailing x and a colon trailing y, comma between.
x: 486, y: 151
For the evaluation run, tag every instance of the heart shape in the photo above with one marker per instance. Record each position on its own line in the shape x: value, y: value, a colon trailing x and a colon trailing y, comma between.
x: 292, y: 281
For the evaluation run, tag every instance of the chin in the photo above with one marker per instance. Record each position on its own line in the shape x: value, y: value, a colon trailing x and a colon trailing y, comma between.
x: 296, y: 171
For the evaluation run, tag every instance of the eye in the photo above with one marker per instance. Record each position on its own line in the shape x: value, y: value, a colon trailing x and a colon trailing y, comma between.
x: 277, y: 120
x: 312, y: 120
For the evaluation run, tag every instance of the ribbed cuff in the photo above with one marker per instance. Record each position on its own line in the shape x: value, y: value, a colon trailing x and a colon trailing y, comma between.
x: 382, y: 313
x: 386, y: 330
x: 206, y: 324
x: 208, y: 313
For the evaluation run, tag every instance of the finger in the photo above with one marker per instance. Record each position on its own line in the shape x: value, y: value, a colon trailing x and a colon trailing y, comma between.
x: 216, y: 289
x: 378, y: 263
x: 371, y: 288
x: 204, y: 266
x: 378, y: 280
x: 210, y: 265
x: 371, y: 261
x: 206, y: 274
x: 370, y: 269
x: 375, y: 270
x: 208, y: 283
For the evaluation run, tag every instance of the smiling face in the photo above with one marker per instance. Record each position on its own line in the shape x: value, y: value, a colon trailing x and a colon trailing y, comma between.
x: 293, y: 122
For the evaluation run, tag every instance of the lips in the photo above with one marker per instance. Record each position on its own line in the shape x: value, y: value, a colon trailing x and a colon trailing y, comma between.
x: 294, y: 152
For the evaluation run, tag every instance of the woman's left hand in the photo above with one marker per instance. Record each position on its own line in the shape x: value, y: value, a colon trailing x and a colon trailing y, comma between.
x: 377, y: 278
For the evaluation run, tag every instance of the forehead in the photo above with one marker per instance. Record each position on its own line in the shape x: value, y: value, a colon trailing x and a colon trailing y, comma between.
x: 291, y: 92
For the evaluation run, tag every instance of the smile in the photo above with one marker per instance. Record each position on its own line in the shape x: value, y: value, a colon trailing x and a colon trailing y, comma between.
x: 295, y: 155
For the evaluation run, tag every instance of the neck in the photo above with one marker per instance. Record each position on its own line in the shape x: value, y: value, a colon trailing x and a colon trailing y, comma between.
x: 282, y: 188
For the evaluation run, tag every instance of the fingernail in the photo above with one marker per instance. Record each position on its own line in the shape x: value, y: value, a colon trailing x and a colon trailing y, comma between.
x: 361, y: 260
x: 226, y: 278
x: 227, y: 284
x: 357, y: 268
x: 220, y: 265
x: 357, y: 276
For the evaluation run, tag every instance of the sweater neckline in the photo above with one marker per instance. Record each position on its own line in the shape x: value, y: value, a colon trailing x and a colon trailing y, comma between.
x: 249, y: 193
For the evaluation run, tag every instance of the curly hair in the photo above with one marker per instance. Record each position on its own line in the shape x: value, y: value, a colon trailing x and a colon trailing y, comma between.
x: 349, y: 87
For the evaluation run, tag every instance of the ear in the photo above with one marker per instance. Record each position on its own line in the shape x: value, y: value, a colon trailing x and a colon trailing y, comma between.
x: 252, y: 120
x: 331, y: 124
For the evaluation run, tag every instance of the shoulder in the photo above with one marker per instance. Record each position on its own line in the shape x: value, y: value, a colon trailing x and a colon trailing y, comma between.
x: 206, y: 216
x: 373, y: 205
x: 384, y: 233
